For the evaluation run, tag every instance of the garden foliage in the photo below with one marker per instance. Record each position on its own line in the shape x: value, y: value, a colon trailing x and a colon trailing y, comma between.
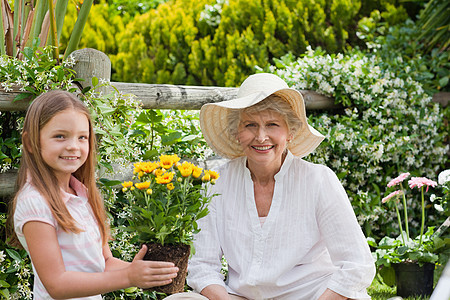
x: 220, y: 42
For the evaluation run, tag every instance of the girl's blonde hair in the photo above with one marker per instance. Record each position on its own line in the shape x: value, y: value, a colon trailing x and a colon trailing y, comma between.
x: 33, y: 167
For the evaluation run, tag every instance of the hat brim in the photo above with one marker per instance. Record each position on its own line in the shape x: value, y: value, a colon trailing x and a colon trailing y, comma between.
x: 214, y: 121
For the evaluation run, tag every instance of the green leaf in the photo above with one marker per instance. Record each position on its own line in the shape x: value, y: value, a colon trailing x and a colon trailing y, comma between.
x: 4, y: 284
x: 106, y: 110
x: 94, y: 81
x: 443, y: 81
x: 171, y: 138
x: 371, y: 241
x: 388, y: 275
x: 14, y: 254
x: 107, y: 182
x: 5, y: 293
x: 22, y: 96
x: 188, y: 138
x: 150, y: 154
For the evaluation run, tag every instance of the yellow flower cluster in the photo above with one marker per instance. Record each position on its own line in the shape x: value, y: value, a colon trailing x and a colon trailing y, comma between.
x: 210, y: 176
x: 187, y: 169
x: 160, y: 174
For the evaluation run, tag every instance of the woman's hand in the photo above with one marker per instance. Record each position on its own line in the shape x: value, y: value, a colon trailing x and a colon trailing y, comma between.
x: 215, y: 292
x: 147, y: 274
x: 331, y: 295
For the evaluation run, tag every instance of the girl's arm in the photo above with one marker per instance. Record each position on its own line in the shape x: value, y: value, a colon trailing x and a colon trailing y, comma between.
x: 47, y: 259
x: 112, y: 263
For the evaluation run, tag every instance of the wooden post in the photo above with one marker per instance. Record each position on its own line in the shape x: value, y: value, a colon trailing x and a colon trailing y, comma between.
x: 91, y: 63
x: 7, y: 183
x: 7, y: 102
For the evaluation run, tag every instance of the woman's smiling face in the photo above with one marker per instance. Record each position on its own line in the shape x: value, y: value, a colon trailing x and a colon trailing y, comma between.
x: 263, y: 137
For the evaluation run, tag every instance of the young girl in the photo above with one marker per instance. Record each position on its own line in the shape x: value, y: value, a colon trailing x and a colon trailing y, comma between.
x: 58, y: 214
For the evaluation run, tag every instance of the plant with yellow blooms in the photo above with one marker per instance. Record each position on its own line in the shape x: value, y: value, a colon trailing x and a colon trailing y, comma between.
x: 167, y: 198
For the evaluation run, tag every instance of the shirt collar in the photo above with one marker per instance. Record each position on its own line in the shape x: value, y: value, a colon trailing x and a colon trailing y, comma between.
x: 285, y: 166
x: 78, y: 187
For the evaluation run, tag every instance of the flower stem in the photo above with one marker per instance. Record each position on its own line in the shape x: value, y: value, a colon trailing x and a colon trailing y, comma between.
x: 405, y: 208
x: 423, y: 220
x: 400, y: 223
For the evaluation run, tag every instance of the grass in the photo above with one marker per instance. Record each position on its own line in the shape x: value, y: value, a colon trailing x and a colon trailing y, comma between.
x: 381, y: 291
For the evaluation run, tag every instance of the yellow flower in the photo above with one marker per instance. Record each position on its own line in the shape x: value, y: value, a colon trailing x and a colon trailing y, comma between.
x: 127, y: 184
x: 170, y: 186
x: 210, y: 175
x: 144, y: 167
x: 167, y: 161
x: 213, y: 174
x: 124, y: 189
x: 206, y: 177
x: 185, y: 168
x: 143, y: 185
x: 149, y: 191
x: 196, y: 172
x: 159, y: 172
x: 165, y: 178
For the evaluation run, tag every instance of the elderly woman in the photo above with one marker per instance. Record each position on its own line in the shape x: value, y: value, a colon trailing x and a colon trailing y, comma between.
x: 285, y: 226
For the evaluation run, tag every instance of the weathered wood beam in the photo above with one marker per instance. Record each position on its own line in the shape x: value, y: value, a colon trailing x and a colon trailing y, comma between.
x: 7, y: 102
x: 7, y: 183
x: 166, y: 96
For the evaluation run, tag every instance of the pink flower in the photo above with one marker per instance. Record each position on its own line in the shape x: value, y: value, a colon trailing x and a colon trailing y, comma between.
x: 398, y: 180
x: 393, y: 194
x: 421, y: 181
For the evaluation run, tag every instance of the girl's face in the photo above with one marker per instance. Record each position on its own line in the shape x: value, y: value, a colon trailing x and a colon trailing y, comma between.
x: 263, y: 137
x: 65, y: 142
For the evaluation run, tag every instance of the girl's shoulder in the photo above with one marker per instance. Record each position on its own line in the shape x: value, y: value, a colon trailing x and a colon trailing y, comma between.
x: 28, y: 197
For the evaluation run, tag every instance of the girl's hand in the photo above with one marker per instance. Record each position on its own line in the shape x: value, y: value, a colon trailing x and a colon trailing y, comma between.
x: 147, y: 274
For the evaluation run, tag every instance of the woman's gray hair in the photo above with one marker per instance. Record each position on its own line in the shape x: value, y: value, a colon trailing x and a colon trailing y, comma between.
x: 272, y: 103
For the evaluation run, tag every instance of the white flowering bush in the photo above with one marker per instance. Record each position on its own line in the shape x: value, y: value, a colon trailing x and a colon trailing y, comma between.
x: 387, y: 125
x: 16, y: 280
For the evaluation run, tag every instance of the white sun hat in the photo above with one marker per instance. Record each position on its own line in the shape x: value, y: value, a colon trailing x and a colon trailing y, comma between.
x: 257, y: 87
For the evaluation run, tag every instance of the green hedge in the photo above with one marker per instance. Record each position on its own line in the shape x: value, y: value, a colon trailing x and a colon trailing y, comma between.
x: 219, y: 43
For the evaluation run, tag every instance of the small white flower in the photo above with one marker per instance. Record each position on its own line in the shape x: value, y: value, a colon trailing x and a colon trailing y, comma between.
x: 432, y: 197
x: 444, y: 177
x: 438, y: 207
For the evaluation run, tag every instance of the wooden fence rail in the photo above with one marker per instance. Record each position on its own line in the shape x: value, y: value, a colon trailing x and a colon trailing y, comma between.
x: 91, y: 63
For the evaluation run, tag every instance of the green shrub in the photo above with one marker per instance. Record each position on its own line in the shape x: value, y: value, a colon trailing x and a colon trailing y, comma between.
x: 399, y: 50
x: 196, y: 42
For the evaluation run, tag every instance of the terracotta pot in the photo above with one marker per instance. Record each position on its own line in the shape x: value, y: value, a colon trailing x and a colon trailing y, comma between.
x: 412, y: 279
x: 179, y: 255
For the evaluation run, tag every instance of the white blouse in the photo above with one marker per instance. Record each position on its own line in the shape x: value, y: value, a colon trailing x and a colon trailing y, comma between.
x: 310, y: 240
